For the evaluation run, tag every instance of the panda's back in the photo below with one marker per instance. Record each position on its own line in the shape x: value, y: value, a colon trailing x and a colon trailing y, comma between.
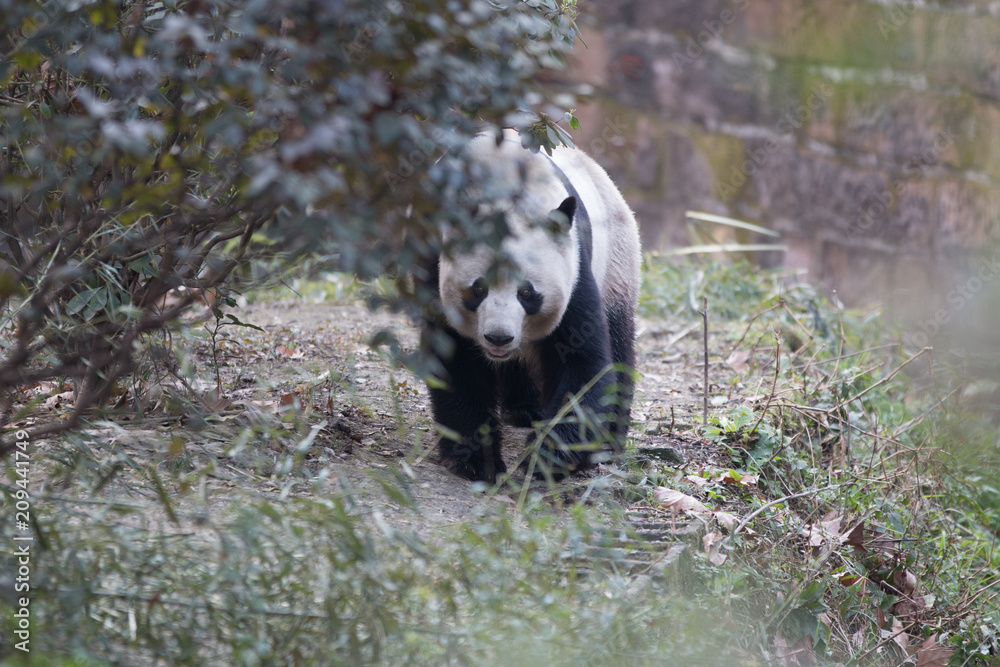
x: 616, y: 251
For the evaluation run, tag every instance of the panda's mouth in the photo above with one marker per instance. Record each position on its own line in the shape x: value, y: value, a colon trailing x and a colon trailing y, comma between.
x: 498, y: 354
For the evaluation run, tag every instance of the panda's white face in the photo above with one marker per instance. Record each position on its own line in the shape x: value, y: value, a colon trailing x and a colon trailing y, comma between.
x: 518, y: 306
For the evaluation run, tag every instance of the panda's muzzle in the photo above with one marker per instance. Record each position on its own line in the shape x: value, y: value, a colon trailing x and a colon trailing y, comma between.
x: 497, y: 343
x: 498, y: 339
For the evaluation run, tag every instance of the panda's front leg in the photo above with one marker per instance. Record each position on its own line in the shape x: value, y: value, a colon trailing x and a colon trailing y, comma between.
x: 466, y: 408
x: 575, y: 361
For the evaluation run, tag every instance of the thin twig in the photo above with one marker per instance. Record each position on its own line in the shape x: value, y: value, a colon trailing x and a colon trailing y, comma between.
x: 774, y: 385
x: 880, y: 382
x: 750, y: 324
x: 840, y: 420
x: 704, y: 408
x: 840, y: 347
x: 847, y: 356
x: 903, y: 428
x: 885, y: 642
x: 788, y: 310
x: 749, y: 517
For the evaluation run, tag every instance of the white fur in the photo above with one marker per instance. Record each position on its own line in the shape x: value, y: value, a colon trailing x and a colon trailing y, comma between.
x: 529, y: 189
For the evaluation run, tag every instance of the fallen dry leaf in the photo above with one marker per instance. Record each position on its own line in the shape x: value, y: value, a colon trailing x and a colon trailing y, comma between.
x: 827, y: 530
x: 726, y: 519
x: 289, y: 352
x: 672, y: 499
x: 738, y: 360
x: 733, y: 477
x: 57, y: 401
x: 897, y: 635
x: 904, y: 581
x: 697, y: 480
x: 799, y: 655
x: 932, y: 654
x: 710, y: 542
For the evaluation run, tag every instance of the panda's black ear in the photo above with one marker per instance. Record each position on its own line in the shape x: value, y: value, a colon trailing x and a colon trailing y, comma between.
x: 568, y: 208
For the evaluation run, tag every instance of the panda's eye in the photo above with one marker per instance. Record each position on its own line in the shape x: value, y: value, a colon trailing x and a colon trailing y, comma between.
x: 474, y: 295
x: 530, y: 300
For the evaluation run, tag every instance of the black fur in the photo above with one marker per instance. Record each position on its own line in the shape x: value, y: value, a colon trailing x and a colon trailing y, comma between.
x: 479, y: 392
x: 621, y: 326
x: 576, y: 354
x: 468, y: 407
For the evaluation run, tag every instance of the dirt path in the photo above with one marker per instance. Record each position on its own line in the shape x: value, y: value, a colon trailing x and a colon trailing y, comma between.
x: 362, y: 413
x: 309, y: 369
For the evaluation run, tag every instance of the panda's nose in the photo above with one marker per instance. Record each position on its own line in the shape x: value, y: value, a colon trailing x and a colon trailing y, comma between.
x: 498, y: 339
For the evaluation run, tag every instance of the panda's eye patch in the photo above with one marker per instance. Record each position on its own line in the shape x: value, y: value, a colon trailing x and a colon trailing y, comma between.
x: 474, y: 295
x: 530, y: 300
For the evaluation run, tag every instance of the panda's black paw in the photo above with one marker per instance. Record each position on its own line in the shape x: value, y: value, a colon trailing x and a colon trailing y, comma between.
x: 522, y: 416
x: 475, y: 468
x: 477, y: 471
x: 467, y: 458
x: 555, y: 462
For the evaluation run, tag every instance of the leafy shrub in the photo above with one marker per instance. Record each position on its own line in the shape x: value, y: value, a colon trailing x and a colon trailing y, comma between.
x: 154, y: 147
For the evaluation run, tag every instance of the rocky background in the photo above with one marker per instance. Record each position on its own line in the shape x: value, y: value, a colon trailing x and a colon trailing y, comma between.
x: 867, y: 133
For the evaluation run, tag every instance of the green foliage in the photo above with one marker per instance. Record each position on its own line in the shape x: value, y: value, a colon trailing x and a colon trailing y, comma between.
x: 752, y: 441
x: 673, y: 286
x: 147, y: 147
x: 836, y: 488
x: 327, y: 581
x: 875, y: 504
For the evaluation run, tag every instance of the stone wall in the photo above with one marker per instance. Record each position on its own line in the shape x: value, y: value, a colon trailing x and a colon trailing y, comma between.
x: 867, y: 133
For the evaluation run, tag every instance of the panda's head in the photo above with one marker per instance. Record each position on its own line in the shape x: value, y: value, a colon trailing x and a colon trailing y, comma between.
x: 519, y: 294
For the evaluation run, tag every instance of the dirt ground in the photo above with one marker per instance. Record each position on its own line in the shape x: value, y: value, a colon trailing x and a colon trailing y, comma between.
x: 311, y: 362
x: 362, y: 414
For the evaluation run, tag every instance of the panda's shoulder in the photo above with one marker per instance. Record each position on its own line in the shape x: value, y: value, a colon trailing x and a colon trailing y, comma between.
x: 580, y: 168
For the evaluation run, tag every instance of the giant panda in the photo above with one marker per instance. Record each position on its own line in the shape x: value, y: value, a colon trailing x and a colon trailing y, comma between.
x: 525, y: 335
